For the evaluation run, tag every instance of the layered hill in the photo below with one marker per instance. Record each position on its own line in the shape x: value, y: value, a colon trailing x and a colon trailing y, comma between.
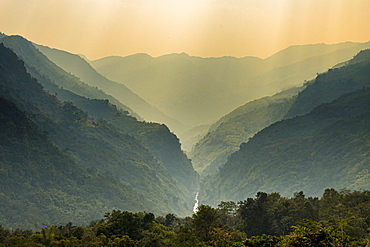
x: 327, y: 147
x: 198, y: 91
x: 39, y: 181
x: 97, y: 146
x: 78, y: 66
x: 225, y: 136
x: 329, y: 86
x: 157, y: 138
x: 43, y: 69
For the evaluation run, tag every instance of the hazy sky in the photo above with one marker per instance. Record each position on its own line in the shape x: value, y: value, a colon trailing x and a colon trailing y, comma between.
x: 99, y: 28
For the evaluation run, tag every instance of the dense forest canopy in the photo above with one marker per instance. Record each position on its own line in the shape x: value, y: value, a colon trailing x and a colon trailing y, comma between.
x: 338, y: 218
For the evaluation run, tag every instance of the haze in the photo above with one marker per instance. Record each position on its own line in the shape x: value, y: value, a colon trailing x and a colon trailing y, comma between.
x: 100, y: 28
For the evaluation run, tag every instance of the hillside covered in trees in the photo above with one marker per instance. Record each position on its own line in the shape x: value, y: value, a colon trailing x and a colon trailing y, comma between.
x: 328, y: 147
x: 132, y: 165
x: 225, y: 136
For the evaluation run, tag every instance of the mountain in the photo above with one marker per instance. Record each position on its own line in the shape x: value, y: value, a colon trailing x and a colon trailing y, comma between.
x: 226, y: 135
x: 198, y: 91
x: 327, y: 147
x: 40, y: 182
x: 103, y: 148
x: 193, y: 136
x: 329, y: 86
x: 78, y: 66
x: 43, y: 69
x: 157, y: 138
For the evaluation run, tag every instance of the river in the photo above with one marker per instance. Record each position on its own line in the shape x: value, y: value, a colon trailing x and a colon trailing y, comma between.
x: 195, y: 208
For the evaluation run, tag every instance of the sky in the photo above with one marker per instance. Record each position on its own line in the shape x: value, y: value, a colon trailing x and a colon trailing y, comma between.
x: 205, y: 28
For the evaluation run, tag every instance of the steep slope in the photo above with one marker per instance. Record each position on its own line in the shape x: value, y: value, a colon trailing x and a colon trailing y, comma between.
x: 77, y: 66
x: 296, y: 53
x: 306, y: 69
x: 199, y: 91
x: 329, y: 147
x: 226, y: 135
x: 164, y: 145
x: 42, y: 69
x: 38, y: 181
x: 193, y: 136
x: 92, y: 143
x: 156, y: 138
x: 329, y: 86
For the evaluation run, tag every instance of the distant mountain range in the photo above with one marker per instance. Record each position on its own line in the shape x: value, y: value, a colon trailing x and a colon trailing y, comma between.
x: 78, y: 66
x: 198, y: 91
x: 325, y: 144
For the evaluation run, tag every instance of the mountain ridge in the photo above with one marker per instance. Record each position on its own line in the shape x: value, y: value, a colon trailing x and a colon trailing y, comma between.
x: 218, y: 85
x: 327, y: 147
x: 73, y: 63
x: 116, y: 151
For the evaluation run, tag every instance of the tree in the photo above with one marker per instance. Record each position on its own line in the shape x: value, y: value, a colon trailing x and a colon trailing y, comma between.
x: 322, y: 234
x: 48, y: 234
x: 204, y: 221
x: 120, y: 223
x: 255, y: 216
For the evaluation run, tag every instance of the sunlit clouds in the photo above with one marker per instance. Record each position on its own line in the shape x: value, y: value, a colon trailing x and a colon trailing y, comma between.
x: 206, y: 28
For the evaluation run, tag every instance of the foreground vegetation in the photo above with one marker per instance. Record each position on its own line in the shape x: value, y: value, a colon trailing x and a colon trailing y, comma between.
x: 337, y: 219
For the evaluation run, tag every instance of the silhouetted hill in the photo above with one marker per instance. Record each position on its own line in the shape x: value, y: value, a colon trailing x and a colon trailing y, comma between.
x: 296, y: 53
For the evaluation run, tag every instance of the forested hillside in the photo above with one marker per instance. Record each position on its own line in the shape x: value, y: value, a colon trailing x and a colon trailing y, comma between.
x: 225, y: 136
x: 326, y: 148
x: 44, y: 70
x: 95, y: 145
x: 329, y: 86
x: 155, y: 137
x: 40, y: 182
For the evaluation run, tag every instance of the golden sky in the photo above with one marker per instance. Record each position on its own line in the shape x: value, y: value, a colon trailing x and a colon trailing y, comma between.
x: 206, y: 28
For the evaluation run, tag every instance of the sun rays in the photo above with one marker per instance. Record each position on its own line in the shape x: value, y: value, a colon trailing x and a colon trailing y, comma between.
x: 201, y: 28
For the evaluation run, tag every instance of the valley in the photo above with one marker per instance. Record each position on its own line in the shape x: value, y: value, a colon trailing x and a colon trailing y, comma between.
x: 136, y: 140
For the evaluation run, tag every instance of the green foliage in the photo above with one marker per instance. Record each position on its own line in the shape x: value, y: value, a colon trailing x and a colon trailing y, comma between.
x: 310, y: 233
x: 262, y: 241
x: 206, y: 227
x: 205, y: 220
